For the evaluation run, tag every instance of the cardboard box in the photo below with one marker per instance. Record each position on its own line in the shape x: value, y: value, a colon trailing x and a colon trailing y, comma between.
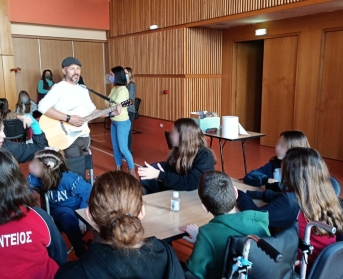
x: 209, y: 122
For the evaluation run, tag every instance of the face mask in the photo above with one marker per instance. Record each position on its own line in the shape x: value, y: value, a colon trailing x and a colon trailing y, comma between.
x: 24, y: 100
x: 48, y: 77
x: 111, y: 79
x: 127, y: 78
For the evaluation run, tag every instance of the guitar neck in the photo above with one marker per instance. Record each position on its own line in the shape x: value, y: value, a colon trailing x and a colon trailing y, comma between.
x: 98, y: 114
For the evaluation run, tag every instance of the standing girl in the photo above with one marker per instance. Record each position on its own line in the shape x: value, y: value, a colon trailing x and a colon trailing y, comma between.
x: 67, y: 191
x: 121, y: 124
x: 131, y: 86
x: 25, y: 104
x: 45, y: 84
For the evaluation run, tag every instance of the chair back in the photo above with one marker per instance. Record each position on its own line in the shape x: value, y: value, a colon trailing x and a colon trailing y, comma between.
x: 328, y: 263
x: 14, y: 129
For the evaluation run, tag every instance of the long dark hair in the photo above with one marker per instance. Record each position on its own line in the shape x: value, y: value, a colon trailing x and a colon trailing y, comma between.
x: 14, y: 189
x: 115, y: 204
x: 305, y: 172
x: 45, y: 83
x: 120, y: 77
x: 4, y: 108
x: 19, y: 104
x: 191, y: 140
x: 54, y: 165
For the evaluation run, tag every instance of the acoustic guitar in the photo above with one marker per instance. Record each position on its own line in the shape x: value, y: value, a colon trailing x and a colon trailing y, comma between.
x: 61, y: 134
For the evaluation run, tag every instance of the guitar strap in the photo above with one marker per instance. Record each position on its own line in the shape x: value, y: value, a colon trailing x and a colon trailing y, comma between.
x: 98, y: 94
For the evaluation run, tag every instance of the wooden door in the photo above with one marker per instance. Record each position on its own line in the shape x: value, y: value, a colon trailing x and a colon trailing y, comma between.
x: 249, y: 67
x: 329, y: 133
x: 278, y: 87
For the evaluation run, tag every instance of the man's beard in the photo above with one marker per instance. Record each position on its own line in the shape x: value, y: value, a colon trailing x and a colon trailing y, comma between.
x: 71, y: 78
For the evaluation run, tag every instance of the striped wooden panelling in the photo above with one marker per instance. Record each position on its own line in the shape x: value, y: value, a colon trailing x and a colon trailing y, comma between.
x: 153, y: 53
x: 202, y: 94
x: 204, y: 51
x: 155, y: 103
x: 131, y: 16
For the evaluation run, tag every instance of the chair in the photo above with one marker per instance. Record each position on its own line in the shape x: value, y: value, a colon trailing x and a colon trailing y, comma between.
x: 14, y: 130
x: 137, y: 104
x: 166, y: 134
x: 327, y: 265
x: 286, y: 242
x: 336, y: 186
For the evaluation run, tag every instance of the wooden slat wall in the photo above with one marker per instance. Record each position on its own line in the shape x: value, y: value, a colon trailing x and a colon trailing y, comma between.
x: 202, y: 94
x: 204, y: 51
x: 155, y: 103
x: 150, y: 54
x: 132, y: 16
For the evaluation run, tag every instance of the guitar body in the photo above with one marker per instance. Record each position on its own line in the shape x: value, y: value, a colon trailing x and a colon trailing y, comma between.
x: 61, y: 134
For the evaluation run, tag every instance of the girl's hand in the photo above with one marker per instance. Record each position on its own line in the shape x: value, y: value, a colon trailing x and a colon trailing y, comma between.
x: 192, y: 230
x: 149, y: 172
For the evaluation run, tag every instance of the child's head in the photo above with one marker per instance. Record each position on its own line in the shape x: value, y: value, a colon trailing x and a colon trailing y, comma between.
x: 305, y: 172
x: 14, y: 190
x: 217, y: 192
x: 186, y: 138
x: 288, y: 140
x: 4, y: 110
x: 48, y: 165
x: 24, y: 97
x: 116, y: 206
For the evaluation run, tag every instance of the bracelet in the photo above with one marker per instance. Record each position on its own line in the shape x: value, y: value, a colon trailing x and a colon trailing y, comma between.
x: 68, y: 118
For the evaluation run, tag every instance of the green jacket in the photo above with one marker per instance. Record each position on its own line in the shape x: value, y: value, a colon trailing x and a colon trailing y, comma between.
x: 207, y: 257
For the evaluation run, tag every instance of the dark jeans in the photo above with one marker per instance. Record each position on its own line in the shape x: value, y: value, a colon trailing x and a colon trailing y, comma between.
x: 154, y: 186
x: 132, y: 118
x: 77, y: 148
x: 67, y: 222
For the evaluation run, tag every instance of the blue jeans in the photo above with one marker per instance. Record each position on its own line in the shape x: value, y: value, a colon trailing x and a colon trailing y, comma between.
x: 119, y: 136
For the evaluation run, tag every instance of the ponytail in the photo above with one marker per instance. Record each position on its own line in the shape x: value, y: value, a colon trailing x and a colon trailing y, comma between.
x: 115, y: 204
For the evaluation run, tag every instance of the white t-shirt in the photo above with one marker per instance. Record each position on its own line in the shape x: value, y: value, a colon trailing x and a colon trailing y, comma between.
x: 65, y: 97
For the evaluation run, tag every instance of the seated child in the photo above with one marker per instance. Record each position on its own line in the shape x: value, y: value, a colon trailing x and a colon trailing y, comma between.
x: 116, y: 206
x: 270, y: 173
x: 31, y: 246
x: 25, y: 104
x: 218, y: 196
x: 66, y: 190
x: 188, y: 159
x: 309, y: 191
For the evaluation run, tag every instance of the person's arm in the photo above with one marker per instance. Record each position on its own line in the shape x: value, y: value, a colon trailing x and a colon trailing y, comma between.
x: 282, y: 207
x: 82, y: 190
x: 34, y: 106
x: 259, y: 176
x: 188, y: 182
x: 201, y: 257
x: 132, y: 90
x: 57, y: 249
x: 41, y: 89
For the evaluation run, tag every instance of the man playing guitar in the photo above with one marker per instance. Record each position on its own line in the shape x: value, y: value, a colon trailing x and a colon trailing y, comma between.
x: 64, y: 97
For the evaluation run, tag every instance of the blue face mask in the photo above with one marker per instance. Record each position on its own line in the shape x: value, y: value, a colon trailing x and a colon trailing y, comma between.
x: 24, y: 100
x: 127, y: 78
x: 111, y: 79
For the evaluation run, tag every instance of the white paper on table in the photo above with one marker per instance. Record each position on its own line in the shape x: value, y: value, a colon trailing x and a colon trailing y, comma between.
x: 241, y: 130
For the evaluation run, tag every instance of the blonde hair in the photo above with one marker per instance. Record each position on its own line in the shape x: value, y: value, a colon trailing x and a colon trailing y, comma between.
x: 131, y: 74
x: 295, y: 138
x: 305, y: 172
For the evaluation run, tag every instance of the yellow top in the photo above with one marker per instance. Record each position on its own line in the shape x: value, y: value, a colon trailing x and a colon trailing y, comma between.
x: 119, y: 94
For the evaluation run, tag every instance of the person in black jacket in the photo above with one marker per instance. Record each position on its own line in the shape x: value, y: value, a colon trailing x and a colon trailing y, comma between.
x: 21, y: 151
x: 116, y: 206
x: 189, y: 159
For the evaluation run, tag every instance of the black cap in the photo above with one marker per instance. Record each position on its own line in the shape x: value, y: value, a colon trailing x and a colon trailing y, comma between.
x: 70, y: 61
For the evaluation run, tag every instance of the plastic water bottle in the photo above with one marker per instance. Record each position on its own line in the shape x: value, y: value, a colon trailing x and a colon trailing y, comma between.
x: 175, y: 202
